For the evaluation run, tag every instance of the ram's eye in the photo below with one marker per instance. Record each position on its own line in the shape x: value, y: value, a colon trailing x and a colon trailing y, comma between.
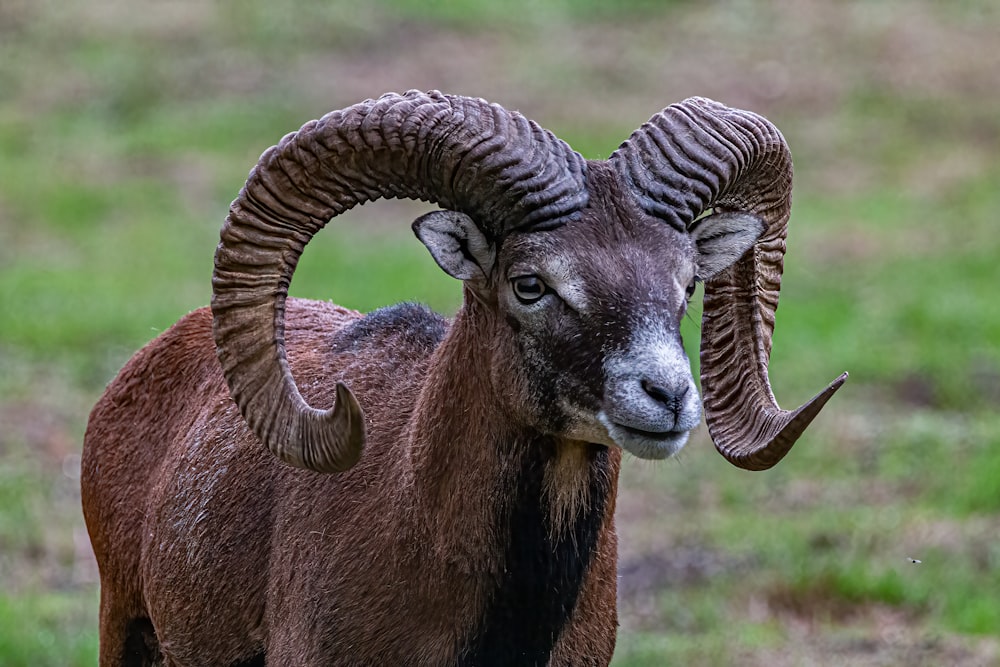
x: 528, y: 289
x: 691, y: 288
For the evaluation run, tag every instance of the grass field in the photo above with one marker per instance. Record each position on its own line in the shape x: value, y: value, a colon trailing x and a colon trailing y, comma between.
x: 126, y: 130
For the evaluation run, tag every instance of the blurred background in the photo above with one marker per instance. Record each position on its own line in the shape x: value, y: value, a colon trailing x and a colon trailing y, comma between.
x: 127, y: 127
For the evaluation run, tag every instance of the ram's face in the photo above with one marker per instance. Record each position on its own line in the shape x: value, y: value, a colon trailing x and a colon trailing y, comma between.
x: 593, y: 310
x: 585, y: 336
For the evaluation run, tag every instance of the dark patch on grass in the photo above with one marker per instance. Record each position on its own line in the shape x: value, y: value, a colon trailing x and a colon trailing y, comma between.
x: 821, y: 601
x: 916, y: 390
x: 673, y: 568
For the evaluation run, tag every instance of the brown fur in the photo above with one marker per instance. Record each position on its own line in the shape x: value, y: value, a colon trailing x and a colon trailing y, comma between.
x: 229, y: 552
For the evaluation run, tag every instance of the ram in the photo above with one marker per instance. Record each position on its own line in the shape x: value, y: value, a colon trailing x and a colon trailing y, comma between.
x: 288, y: 482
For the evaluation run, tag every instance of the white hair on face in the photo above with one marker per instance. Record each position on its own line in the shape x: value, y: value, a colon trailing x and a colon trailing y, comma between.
x: 644, y: 447
x: 562, y: 275
x: 637, y: 420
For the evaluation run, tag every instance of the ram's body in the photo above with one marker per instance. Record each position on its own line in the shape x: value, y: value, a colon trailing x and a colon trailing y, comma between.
x: 217, y: 517
x: 477, y: 528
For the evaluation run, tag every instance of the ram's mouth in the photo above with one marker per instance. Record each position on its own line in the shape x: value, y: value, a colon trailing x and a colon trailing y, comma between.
x: 642, y: 443
x: 658, y: 436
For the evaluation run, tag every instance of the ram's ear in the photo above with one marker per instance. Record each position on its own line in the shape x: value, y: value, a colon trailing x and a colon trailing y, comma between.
x: 456, y: 243
x: 722, y: 238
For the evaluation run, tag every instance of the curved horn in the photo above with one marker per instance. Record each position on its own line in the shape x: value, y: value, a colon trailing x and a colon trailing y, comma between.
x: 494, y: 165
x: 696, y: 155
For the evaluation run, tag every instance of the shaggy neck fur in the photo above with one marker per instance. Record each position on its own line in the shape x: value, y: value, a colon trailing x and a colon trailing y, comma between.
x: 515, y: 512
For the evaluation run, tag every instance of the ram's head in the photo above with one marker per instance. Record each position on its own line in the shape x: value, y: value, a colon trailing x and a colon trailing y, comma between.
x: 580, y: 270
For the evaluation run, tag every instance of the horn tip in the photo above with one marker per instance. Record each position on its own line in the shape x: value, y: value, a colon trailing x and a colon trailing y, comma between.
x: 821, y: 398
x: 343, y: 440
x: 769, y: 451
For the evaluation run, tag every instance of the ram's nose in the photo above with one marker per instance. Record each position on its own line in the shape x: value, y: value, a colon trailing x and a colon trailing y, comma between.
x: 671, y: 400
x: 650, y: 415
x: 644, y: 402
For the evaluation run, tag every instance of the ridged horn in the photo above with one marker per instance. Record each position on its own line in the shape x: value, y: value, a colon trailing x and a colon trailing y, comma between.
x: 464, y: 154
x: 693, y: 156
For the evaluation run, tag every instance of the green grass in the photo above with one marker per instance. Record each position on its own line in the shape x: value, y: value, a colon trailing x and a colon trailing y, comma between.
x: 124, y: 134
x: 20, y: 530
x: 472, y: 13
x: 48, y: 628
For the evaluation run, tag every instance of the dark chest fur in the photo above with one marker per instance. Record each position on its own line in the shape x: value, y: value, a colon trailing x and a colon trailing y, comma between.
x: 544, y: 569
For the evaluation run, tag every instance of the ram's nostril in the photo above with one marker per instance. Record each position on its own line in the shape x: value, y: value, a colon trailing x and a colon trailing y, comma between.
x: 662, y: 395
